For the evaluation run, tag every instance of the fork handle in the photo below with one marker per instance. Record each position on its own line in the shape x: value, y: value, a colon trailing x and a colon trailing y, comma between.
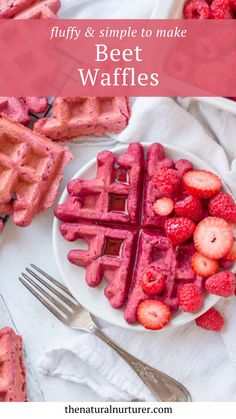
x: 163, y: 387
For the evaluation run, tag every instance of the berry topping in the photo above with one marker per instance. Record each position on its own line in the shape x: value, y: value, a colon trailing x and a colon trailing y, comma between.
x: 167, y: 180
x: 202, y: 183
x: 163, y: 206
x: 179, y: 229
x: 204, y: 266
x: 182, y: 166
x: 211, y: 320
x: 153, y: 314
x: 152, y: 281
x: 196, y: 9
x: 213, y: 238
x: 231, y: 256
x: 223, y: 206
x: 222, y: 283
x: 221, y: 9
x: 190, y: 207
x: 190, y: 298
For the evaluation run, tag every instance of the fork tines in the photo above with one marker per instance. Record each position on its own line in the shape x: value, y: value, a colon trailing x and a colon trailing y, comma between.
x: 59, y: 301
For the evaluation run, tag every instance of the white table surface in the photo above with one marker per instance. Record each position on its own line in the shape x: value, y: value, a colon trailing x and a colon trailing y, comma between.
x: 40, y: 330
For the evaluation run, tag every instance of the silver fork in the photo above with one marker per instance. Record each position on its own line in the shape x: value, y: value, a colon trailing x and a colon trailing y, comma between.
x: 63, y: 305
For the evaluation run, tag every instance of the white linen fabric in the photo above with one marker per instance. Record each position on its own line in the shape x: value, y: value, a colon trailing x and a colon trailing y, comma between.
x: 203, y: 361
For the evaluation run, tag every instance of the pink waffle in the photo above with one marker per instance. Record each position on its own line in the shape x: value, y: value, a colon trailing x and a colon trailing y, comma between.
x: 114, y: 196
x: 148, y: 245
x: 18, y: 108
x: 29, y: 9
x: 12, y: 371
x: 31, y: 168
x: 109, y: 255
x: 155, y: 250
x: 76, y: 116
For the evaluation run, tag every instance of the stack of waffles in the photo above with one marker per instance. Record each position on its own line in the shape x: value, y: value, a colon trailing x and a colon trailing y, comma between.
x: 114, y: 214
x: 29, y: 9
x: 12, y: 371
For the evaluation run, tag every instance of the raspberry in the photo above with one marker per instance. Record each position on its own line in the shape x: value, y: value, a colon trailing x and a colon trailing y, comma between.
x: 190, y: 207
x: 196, y: 9
x: 233, y: 5
x: 167, y: 179
x: 152, y: 281
x: 211, y: 320
x: 221, y: 9
x: 183, y: 166
x: 223, y: 206
x: 222, y: 284
x: 190, y: 298
x: 204, y: 266
x: 179, y: 229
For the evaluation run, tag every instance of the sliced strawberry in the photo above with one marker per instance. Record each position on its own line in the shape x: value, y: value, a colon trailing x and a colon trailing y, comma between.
x: 223, y: 206
x: 204, y: 266
x: 190, y: 297
x: 231, y: 256
x: 190, y: 207
x: 153, y: 281
x: 202, y: 183
x: 211, y: 320
x: 163, y: 206
x: 213, y: 238
x: 153, y: 314
x: 222, y: 283
x: 179, y: 229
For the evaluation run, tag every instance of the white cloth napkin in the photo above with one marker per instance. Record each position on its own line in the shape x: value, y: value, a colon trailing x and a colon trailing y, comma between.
x: 203, y: 361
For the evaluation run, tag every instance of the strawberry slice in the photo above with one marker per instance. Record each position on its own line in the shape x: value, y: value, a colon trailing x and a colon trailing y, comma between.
x: 231, y: 256
x: 203, y: 266
x: 163, y: 206
x: 152, y: 281
x: 213, y: 238
x: 211, y: 320
x: 179, y: 229
x: 202, y: 183
x: 153, y: 314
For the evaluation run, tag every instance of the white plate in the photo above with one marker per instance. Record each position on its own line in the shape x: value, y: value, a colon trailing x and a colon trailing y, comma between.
x: 173, y: 9
x: 93, y: 299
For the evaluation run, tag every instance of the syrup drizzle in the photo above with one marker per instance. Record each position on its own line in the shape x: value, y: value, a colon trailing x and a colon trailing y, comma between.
x: 113, y: 247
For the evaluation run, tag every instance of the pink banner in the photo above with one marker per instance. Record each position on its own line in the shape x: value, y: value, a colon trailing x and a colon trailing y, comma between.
x: 117, y: 58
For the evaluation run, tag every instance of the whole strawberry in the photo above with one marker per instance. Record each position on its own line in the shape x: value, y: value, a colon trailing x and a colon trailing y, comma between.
x: 196, y: 9
x: 190, y: 298
x: 168, y: 180
x: 190, y: 207
x: 222, y: 283
x: 211, y: 320
x: 223, y: 206
x: 179, y: 229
